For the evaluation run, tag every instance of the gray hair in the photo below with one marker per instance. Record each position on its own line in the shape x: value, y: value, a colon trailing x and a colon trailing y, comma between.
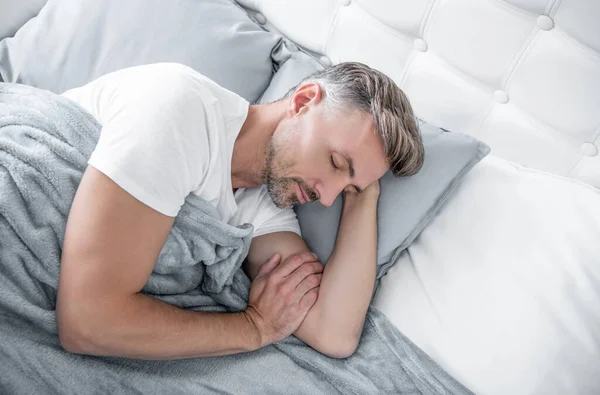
x: 356, y: 86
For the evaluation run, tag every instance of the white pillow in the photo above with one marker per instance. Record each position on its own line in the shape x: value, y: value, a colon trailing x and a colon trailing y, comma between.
x: 502, y: 288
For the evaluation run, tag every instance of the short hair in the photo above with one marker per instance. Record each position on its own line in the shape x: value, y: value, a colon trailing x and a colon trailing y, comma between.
x: 356, y: 86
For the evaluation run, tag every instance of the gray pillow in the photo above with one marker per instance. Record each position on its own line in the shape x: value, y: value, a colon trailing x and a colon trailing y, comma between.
x: 14, y: 14
x: 291, y: 66
x: 406, y: 205
x: 72, y: 42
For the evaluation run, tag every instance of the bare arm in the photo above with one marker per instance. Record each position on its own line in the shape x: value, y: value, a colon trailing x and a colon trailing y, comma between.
x: 111, y: 244
x: 334, y: 324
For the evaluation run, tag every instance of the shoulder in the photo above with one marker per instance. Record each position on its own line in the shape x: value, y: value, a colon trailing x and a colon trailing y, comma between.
x: 181, y: 86
x: 162, y: 86
x: 172, y: 81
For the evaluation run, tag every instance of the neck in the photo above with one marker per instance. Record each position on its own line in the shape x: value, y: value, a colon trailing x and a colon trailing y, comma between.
x: 250, y: 148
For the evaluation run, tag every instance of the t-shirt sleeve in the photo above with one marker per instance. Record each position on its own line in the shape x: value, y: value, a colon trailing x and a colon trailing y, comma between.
x: 271, y: 219
x: 153, y: 142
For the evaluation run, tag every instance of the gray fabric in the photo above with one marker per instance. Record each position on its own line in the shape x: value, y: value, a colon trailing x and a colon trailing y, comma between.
x: 72, y: 42
x: 406, y: 205
x: 14, y: 14
x: 291, y: 66
x: 45, y: 141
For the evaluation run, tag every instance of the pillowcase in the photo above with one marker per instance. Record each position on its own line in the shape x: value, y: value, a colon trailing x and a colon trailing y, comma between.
x: 291, y: 66
x: 72, y: 42
x: 15, y: 13
x: 406, y: 205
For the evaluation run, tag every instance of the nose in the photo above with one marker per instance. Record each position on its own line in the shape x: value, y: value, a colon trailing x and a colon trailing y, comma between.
x: 329, y: 192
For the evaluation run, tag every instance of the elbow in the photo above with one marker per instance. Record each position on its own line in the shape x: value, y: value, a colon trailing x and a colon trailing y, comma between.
x: 340, y: 353
x: 71, y: 343
x: 336, y: 346
x: 337, y: 338
x: 71, y: 340
x: 74, y: 334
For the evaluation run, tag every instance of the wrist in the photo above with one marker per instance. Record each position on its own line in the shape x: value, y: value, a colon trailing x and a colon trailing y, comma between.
x: 361, y: 200
x: 257, y: 334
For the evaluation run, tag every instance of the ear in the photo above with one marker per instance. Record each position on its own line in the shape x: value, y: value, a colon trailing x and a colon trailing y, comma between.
x: 305, y: 96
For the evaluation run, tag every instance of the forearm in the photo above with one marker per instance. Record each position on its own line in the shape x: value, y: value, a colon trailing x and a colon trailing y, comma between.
x: 349, y: 276
x: 146, y: 328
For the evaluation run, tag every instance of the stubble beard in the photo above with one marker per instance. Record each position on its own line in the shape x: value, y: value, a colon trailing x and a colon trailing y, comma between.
x: 278, y: 187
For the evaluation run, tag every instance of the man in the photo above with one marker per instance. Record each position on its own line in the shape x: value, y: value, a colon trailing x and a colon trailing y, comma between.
x: 168, y: 131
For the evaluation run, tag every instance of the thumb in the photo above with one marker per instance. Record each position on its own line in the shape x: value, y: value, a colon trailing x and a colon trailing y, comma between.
x: 269, y: 265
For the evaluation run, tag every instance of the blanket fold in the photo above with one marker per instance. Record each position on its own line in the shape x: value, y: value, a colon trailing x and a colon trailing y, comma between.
x: 45, y: 141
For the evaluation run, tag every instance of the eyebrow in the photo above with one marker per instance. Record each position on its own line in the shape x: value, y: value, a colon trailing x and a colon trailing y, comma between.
x: 350, y: 163
x: 351, y: 168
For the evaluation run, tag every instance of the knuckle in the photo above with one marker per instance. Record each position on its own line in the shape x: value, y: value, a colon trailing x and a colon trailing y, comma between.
x: 296, y: 259
x: 284, y: 291
x: 288, y: 299
x: 279, y: 288
x: 308, y: 267
x: 270, y: 280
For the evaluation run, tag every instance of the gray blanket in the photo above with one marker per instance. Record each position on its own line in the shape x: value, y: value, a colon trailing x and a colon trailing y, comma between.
x: 45, y: 141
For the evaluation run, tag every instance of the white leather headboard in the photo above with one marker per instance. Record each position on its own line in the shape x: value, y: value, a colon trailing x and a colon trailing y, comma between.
x: 521, y: 75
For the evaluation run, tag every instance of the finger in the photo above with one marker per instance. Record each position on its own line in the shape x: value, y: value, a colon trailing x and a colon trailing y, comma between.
x: 300, y: 274
x: 269, y: 265
x: 315, y: 267
x: 309, y: 299
x: 350, y: 189
x: 291, y: 263
x: 319, y: 267
x: 306, y: 285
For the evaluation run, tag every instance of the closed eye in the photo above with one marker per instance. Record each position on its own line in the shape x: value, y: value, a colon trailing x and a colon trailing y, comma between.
x: 333, y: 163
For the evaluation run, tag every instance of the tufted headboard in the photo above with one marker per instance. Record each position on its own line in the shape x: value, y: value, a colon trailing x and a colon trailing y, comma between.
x: 521, y: 75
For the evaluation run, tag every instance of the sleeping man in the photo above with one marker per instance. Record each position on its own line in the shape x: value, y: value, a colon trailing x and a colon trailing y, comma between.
x: 168, y: 131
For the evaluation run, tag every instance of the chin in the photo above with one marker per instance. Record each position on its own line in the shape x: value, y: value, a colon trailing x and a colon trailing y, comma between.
x: 283, y: 205
x: 286, y: 202
x: 289, y: 203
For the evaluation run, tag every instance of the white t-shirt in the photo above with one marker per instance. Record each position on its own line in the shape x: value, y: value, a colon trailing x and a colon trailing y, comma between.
x: 168, y: 131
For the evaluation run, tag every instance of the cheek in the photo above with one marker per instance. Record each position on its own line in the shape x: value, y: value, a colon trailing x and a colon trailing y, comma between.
x: 305, y: 143
x: 308, y: 151
x: 300, y: 155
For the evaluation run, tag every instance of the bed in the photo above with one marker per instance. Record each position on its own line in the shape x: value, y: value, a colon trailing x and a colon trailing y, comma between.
x: 499, y: 282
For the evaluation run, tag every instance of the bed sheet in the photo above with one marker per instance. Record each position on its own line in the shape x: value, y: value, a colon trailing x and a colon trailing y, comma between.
x: 502, y: 288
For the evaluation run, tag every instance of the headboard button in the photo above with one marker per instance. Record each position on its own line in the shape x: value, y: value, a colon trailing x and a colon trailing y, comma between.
x: 420, y: 45
x: 501, y: 97
x: 325, y: 60
x: 260, y: 18
x: 589, y: 149
x: 544, y: 22
x: 292, y: 47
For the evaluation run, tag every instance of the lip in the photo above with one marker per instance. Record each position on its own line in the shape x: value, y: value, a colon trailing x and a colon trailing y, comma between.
x: 301, y: 195
x: 307, y: 199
